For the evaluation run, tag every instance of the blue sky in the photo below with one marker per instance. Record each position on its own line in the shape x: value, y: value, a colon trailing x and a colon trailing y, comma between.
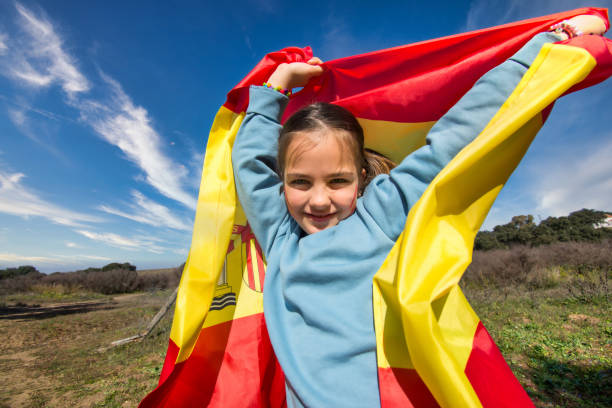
x: 105, y: 108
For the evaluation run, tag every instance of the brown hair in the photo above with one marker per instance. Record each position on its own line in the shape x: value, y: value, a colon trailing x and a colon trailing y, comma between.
x: 322, y: 115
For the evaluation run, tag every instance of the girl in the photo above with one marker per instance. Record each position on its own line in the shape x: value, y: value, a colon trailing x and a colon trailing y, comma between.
x: 325, y: 230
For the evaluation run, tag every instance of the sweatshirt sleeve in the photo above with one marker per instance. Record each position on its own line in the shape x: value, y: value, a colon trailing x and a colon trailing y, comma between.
x: 254, y: 162
x: 388, y: 198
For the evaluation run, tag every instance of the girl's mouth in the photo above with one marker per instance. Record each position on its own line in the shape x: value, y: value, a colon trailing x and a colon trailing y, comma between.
x: 319, y: 217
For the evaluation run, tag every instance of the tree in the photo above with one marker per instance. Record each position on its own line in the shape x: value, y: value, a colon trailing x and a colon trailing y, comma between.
x: 116, y: 265
x: 19, y: 271
x: 486, y: 240
x: 577, y: 226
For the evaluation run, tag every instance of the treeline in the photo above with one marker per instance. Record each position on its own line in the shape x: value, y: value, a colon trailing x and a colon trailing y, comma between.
x: 19, y: 271
x: 110, y: 279
x: 579, y: 226
x: 115, y: 265
x: 32, y: 271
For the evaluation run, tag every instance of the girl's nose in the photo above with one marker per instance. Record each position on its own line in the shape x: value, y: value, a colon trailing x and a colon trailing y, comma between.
x: 319, y: 198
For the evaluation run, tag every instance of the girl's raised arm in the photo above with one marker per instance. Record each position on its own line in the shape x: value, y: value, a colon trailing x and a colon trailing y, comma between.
x: 388, y: 199
x: 254, y: 153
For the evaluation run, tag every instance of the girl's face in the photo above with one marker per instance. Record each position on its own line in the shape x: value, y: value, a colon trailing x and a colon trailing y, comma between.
x: 321, y: 180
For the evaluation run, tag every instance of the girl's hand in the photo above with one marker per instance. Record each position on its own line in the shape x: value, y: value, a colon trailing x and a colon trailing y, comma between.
x: 587, y: 24
x: 295, y: 74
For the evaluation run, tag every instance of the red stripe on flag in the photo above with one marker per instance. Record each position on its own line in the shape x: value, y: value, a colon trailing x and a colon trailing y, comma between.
x: 171, y: 355
x: 491, y: 377
x: 250, y: 272
x: 261, y: 269
x: 402, y: 387
x: 232, y: 365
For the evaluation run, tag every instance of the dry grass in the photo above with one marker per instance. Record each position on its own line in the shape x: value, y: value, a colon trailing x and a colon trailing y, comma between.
x: 49, y: 356
x: 107, y: 282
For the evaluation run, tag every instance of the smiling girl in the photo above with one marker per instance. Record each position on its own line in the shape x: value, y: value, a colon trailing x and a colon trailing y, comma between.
x: 326, y: 215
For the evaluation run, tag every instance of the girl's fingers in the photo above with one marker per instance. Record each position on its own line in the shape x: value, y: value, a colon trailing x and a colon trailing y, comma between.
x: 315, y: 61
x: 589, y: 24
x: 295, y: 74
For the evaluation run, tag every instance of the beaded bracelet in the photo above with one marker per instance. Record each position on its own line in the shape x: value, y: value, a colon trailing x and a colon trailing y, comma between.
x: 278, y: 88
x: 566, y: 27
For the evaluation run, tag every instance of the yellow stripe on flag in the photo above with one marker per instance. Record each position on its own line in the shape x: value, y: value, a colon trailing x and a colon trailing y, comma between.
x: 211, y: 234
x: 395, y: 140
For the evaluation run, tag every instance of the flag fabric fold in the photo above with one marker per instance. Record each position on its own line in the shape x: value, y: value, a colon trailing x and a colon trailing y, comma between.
x: 432, y: 349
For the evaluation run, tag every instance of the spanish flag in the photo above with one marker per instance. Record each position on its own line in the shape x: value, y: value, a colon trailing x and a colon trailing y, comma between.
x: 432, y: 349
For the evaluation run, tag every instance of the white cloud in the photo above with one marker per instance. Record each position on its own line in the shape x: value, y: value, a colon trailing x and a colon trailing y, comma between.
x: 128, y: 127
x: 16, y: 199
x: 564, y: 179
x: 130, y: 244
x: 181, y: 251
x: 488, y: 13
x: 3, y: 46
x: 17, y: 116
x: 39, y: 60
x: 111, y: 239
x: 20, y: 259
x: 586, y: 183
x: 337, y: 40
x: 43, y: 60
x: 14, y: 258
x: 20, y: 105
x: 71, y: 245
x: 25, y: 72
x: 149, y: 212
x: 92, y: 257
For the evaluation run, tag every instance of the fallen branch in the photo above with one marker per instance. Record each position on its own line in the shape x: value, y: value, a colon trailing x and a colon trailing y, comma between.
x: 164, y: 309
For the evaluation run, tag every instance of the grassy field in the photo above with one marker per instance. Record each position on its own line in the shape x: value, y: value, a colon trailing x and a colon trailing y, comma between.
x: 557, y: 339
x: 559, y: 345
x: 51, y: 353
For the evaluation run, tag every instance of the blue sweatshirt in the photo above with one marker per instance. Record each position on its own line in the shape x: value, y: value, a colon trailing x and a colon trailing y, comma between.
x: 318, y: 288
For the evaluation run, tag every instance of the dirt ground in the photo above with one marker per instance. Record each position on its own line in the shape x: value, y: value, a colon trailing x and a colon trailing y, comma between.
x: 51, y: 357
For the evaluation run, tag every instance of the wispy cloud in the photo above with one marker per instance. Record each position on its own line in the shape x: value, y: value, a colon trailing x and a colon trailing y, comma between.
x: 118, y: 241
x: 39, y: 60
x: 149, y: 212
x: 487, y: 13
x: 483, y: 13
x: 3, y: 46
x: 21, y: 105
x: 18, y: 115
x: 180, y: 251
x: 20, y: 259
x: 92, y: 257
x: 14, y: 258
x: 16, y: 199
x: 337, y: 39
x: 128, y: 127
x: 44, y: 61
x: 586, y: 184
x: 111, y: 239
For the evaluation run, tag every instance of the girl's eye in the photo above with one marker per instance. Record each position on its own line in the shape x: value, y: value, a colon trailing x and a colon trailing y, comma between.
x: 299, y: 182
x: 339, y: 181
